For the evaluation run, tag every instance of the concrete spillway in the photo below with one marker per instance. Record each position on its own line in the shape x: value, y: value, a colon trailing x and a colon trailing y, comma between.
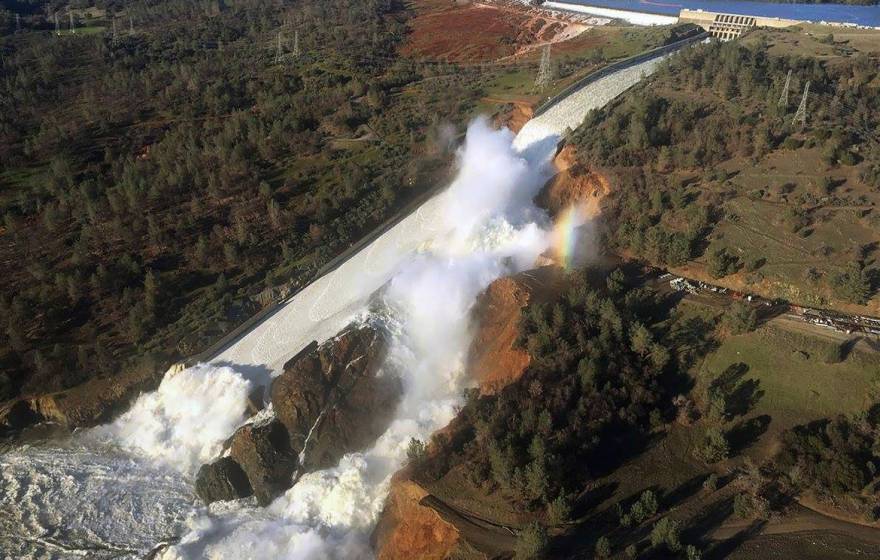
x: 328, y: 304
x: 115, y: 491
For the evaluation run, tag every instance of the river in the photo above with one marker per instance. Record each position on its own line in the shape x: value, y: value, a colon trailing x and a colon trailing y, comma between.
x: 839, y: 13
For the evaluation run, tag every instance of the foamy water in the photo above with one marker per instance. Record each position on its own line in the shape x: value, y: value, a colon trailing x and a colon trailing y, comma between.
x: 117, y: 490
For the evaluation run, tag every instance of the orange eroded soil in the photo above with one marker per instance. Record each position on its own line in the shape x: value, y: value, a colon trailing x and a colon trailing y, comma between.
x: 476, y: 32
x: 573, y: 185
x: 409, y: 530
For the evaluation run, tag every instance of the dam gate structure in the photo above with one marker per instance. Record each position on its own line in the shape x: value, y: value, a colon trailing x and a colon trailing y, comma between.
x: 730, y: 26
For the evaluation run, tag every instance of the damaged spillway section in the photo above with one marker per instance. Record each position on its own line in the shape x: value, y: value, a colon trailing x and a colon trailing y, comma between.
x: 341, y: 412
x: 330, y: 400
x: 353, y: 403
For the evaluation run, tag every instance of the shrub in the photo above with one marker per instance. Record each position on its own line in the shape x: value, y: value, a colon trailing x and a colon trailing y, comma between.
x: 415, y: 451
x: 715, y: 447
x: 742, y: 506
x: 559, y: 510
x: 721, y: 263
x: 603, y: 547
x: 792, y: 143
x: 666, y: 532
x: 693, y: 553
x: 631, y: 551
x: 531, y: 543
x: 853, y: 285
x: 755, y: 263
x: 711, y: 482
x: 740, y: 318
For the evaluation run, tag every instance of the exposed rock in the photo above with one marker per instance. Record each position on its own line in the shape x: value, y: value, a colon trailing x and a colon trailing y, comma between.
x: 222, y: 480
x: 266, y: 457
x: 255, y: 400
x: 86, y: 405
x: 331, y: 400
x: 515, y: 117
x: 408, y: 530
x: 337, y: 395
x: 17, y: 415
x: 573, y: 185
x: 495, y: 359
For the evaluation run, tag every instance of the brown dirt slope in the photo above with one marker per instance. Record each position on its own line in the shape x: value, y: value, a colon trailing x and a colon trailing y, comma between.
x: 573, y: 185
x: 408, y: 530
x: 515, y: 115
x: 475, y: 32
x: 495, y: 360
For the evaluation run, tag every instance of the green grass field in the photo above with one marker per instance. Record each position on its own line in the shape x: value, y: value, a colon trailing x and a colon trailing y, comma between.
x: 797, y: 385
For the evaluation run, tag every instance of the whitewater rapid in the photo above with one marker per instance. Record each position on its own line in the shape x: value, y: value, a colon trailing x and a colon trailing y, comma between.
x: 118, y: 490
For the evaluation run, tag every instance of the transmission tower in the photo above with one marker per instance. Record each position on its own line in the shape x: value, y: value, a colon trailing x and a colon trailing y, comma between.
x: 57, y: 25
x: 783, y: 98
x: 17, y: 23
x: 296, y: 44
x: 130, y: 25
x: 279, y: 52
x: 72, y: 24
x: 543, y: 79
x: 115, y: 37
x: 801, y: 115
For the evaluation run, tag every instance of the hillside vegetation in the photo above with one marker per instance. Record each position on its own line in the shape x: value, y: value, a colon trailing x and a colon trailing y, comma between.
x: 172, y: 167
x: 156, y: 179
x: 712, y: 175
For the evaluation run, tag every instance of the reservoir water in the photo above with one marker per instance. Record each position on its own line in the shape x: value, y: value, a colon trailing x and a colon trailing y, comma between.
x: 840, y: 13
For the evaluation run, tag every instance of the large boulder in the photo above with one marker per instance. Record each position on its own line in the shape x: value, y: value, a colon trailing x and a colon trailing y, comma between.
x: 335, y: 400
x: 263, y: 450
x: 222, y: 480
x: 331, y: 400
x: 92, y: 403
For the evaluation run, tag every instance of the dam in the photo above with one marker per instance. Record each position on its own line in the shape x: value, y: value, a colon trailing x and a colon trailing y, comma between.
x: 656, y: 12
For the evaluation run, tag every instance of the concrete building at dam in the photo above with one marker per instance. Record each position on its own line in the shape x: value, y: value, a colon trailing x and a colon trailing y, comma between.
x: 730, y: 26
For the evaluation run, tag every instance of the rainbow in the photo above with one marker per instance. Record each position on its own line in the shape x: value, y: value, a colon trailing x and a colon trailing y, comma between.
x: 565, y: 234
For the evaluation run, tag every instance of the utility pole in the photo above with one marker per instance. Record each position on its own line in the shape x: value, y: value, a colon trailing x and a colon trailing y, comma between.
x: 296, y: 43
x: 130, y: 25
x: 17, y: 23
x: 543, y: 79
x: 72, y: 24
x: 783, y: 98
x: 801, y: 114
x: 115, y: 37
x: 57, y: 25
x: 279, y: 53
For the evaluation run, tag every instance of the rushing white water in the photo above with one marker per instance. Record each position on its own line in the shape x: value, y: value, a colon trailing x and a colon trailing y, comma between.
x: 487, y: 228
x: 123, y: 487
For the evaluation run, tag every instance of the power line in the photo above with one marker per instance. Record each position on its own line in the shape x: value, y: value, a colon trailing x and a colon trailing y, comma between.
x: 783, y: 98
x: 279, y: 53
x: 801, y: 115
